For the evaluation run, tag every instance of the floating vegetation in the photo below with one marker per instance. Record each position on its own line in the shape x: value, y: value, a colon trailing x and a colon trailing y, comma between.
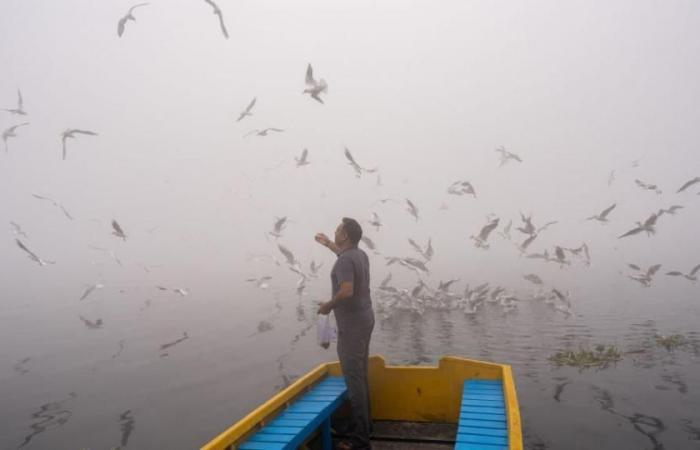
x: 600, y: 357
x: 671, y: 342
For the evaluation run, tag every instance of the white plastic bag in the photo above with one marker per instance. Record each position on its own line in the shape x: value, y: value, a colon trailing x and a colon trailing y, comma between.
x: 325, y: 331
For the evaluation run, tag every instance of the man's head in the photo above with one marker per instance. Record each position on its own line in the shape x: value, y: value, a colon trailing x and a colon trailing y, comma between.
x: 349, y: 232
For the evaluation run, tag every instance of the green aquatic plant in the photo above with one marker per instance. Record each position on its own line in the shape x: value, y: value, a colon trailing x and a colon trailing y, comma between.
x: 584, y: 358
x: 671, y: 342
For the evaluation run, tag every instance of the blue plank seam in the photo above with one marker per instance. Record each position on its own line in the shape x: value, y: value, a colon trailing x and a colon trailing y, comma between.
x: 482, y: 423
x: 294, y: 425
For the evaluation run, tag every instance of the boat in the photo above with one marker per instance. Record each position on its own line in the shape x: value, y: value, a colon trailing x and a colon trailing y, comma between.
x: 460, y: 403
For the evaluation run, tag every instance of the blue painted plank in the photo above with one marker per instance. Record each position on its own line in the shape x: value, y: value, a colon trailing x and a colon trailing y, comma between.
x: 482, y: 402
x: 297, y: 416
x: 483, y: 387
x: 262, y: 436
x: 494, y: 397
x: 262, y: 446
x: 482, y: 410
x: 307, y: 407
x: 464, y: 446
x: 276, y: 429
x: 314, y: 397
x: 495, y: 424
x: 478, y: 439
x: 481, y: 416
x: 481, y: 431
x: 281, y: 422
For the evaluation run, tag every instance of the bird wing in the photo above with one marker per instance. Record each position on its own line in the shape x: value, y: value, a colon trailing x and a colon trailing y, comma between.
x: 634, y: 266
x: 251, y: 104
x: 651, y: 220
x: 131, y: 10
x: 515, y: 157
x: 546, y: 225
x: 526, y: 243
x: 88, y: 132
x: 695, y: 270
x: 23, y: 247
x: 221, y: 22
x: 607, y: 210
x: 486, y: 230
x: 674, y: 273
x: 653, y: 269
x: 688, y: 184
x: 317, y: 98
x: 368, y: 242
x: 415, y: 246
x: 64, y: 147
x: 279, y: 130
x: 287, y: 254
x: 429, y: 252
x: 117, y: 228
x: 120, y: 25
x: 251, y: 132
x: 20, y: 103
x: 348, y: 155
x: 631, y: 232
x: 310, y: 76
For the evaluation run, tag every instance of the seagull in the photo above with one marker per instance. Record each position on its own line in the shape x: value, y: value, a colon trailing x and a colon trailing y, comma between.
x: 93, y: 325
x: 461, y: 188
x: 182, y: 292
x: 20, y: 106
x: 247, y: 110
x: 56, y: 204
x: 526, y: 243
x: 278, y: 227
x: 217, y: 11
x: 647, y: 226
x: 505, y: 234
x: 480, y: 240
x: 411, y: 263
x: 532, y: 278
x: 412, y: 209
x: 506, y: 155
x: 17, y: 229
x: 10, y: 132
x: 426, y: 253
x: 129, y: 16
x: 544, y: 256
x: 671, y: 210
x: 688, y: 184
x: 528, y: 227
x: 302, y: 161
x: 314, y: 268
x: 358, y: 168
x: 369, y: 243
x: 291, y: 260
x: 375, y: 221
x: 263, y: 132
x: 444, y: 286
x: 313, y: 87
x: 644, y: 277
x: 602, y: 217
x: 692, y: 276
x: 90, y: 289
x: 648, y: 187
x: 32, y: 255
x: 560, y: 256
x: 70, y: 134
x: 577, y: 251
x: 118, y: 231
x: 261, y: 282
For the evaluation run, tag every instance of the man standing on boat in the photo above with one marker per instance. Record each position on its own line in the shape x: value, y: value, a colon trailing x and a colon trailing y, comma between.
x: 354, y: 316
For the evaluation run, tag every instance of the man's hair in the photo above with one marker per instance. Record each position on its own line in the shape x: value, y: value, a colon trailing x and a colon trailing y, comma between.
x: 353, y: 229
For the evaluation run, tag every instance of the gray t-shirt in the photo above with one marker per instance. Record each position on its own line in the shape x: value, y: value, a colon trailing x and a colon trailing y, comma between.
x: 352, y: 265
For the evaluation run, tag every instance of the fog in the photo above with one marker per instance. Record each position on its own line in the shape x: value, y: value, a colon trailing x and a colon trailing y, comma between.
x: 424, y: 92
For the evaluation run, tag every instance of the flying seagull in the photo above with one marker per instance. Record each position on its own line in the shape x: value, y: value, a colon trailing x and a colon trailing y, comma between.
x: 10, y: 132
x: 461, y: 188
x: 358, y: 168
x: 118, y: 231
x: 313, y: 87
x: 32, y: 255
x: 480, y: 240
x: 90, y: 290
x: 688, y: 184
x: 129, y: 16
x: 642, y: 277
x: 56, y: 204
x: 532, y: 278
x: 602, y: 217
x: 289, y: 256
x: 302, y: 161
x: 278, y: 227
x: 506, y: 155
x: 263, y: 132
x: 648, y: 187
x: 692, y: 275
x: 647, y: 226
x: 247, y: 110
x: 426, y: 253
x: 375, y: 222
x: 217, y: 11
x: 70, y: 134
x: 369, y: 243
x: 412, y: 209
x: 20, y: 106
x: 670, y: 210
x: 17, y: 229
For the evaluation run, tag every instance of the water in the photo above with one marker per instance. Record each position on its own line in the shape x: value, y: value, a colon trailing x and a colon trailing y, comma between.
x: 100, y: 388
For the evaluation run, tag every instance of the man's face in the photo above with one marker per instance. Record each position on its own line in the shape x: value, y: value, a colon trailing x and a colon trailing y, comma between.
x: 340, y: 235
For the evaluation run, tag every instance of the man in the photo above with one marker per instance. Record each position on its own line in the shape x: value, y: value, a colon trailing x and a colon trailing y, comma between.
x: 352, y: 305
